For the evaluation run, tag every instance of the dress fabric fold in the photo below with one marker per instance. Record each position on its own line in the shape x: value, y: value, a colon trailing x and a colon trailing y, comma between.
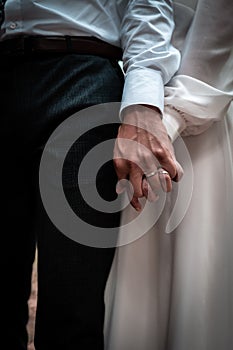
x: 173, y: 291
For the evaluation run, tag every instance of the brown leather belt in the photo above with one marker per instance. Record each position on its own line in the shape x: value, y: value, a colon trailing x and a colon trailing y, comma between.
x: 59, y: 44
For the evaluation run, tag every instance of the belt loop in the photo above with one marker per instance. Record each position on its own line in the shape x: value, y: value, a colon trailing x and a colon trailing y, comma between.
x: 68, y: 43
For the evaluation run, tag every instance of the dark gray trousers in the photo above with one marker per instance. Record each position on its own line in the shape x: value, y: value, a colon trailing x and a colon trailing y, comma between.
x: 38, y: 93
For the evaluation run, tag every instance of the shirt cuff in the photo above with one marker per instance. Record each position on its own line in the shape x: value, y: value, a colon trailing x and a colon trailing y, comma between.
x: 143, y: 86
x: 173, y: 122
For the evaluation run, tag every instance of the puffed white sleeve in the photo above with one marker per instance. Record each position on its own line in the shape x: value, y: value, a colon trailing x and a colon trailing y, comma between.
x: 149, y: 59
x: 202, y: 90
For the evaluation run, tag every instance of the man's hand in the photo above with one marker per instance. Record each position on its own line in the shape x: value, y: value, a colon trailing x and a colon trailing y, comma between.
x: 141, y: 147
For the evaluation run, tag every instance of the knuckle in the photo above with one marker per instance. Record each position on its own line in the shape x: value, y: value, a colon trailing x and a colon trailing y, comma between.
x: 118, y: 163
x: 160, y: 153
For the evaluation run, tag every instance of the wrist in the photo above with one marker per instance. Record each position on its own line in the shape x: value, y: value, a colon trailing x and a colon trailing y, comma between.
x: 173, y: 121
x: 153, y: 108
x: 140, y: 112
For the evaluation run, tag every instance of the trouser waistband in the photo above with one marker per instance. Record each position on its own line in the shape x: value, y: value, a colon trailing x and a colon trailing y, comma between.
x: 59, y: 44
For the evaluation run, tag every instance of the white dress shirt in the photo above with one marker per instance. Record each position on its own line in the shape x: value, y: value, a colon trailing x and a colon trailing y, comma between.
x: 143, y: 28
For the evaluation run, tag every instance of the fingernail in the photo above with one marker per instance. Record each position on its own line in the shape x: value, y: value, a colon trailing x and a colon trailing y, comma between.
x: 119, y: 188
x: 138, y: 209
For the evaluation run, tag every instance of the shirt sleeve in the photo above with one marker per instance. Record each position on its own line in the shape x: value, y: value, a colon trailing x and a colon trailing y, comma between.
x: 202, y: 90
x: 149, y: 59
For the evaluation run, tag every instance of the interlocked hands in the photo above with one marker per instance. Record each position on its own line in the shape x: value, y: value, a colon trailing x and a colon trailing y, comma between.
x: 144, y: 155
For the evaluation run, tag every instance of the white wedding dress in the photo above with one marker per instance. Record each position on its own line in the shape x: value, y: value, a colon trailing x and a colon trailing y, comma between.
x: 172, y: 289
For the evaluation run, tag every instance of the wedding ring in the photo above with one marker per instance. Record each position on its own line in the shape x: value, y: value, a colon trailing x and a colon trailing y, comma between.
x: 152, y: 173
x: 157, y: 171
x: 162, y: 171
